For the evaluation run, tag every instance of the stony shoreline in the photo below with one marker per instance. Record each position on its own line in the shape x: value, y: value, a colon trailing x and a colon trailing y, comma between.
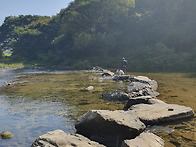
x: 126, y: 127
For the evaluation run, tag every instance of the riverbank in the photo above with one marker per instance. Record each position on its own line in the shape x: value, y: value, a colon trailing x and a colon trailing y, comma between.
x: 12, y: 66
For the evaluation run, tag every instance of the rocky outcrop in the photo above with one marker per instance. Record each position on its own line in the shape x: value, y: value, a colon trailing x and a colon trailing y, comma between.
x: 159, y: 113
x: 116, y: 95
x: 145, y: 80
x: 109, y: 127
x: 58, y: 138
x: 145, y: 139
x: 141, y: 89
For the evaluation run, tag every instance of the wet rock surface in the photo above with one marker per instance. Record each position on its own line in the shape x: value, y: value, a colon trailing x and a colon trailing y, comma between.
x: 6, y: 135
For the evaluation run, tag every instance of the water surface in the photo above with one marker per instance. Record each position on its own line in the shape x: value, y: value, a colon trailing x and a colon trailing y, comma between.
x: 28, y: 119
x: 42, y: 101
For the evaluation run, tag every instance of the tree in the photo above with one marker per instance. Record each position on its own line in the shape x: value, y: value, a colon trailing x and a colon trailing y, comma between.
x: 1, y: 53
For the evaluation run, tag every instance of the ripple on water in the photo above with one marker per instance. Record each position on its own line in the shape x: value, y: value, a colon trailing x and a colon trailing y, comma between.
x: 29, y: 119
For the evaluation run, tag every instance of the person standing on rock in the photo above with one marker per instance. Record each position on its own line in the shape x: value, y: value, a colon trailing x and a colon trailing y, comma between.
x: 123, y: 64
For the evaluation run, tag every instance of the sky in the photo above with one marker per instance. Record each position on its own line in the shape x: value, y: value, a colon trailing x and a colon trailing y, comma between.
x: 31, y: 7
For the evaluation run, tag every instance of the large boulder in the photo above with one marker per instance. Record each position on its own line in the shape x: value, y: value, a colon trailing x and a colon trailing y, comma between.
x: 141, y: 100
x: 161, y: 112
x: 116, y: 95
x: 141, y: 89
x: 58, y: 138
x: 145, y: 139
x: 109, y: 127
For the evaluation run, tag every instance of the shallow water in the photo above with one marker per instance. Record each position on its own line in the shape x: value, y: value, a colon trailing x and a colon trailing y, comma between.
x: 42, y: 101
x: 28, y: 119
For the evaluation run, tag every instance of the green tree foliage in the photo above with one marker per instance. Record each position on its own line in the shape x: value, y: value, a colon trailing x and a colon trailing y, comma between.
x: 1, y: 53
x: 154, y: 35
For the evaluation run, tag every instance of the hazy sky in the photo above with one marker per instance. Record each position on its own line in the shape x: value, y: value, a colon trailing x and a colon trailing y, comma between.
x: 32, y: 7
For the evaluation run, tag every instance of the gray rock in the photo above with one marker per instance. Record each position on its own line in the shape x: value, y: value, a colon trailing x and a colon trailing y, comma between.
x: 145, y: 139
x: 122, y: 78
x: 141, y: 89
x: 58, y: 138
x: 116, y: 95
x: 146, y: 80
x: 109, y: 127
x: 98, y: 69
x: 104, y: 72
x: 107, y: 73
x: 161, y: 112
x: 141, y: 100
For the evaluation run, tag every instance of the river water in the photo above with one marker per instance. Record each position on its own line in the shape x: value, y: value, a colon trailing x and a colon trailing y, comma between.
x: 44, y: 101
x: 28, y: 119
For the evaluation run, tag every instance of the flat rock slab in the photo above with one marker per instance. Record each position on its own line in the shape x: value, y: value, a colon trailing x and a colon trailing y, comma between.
x: 145, y: 139
x: 109, y: 127
x: 58, y: 138
x: 161, y: 112
x: 141, y: 100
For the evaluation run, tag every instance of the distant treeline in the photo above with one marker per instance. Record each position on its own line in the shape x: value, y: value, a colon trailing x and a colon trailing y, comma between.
x: 153, y: 35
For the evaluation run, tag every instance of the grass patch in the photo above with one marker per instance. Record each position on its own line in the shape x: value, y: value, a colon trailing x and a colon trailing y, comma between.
x: 12, y: 65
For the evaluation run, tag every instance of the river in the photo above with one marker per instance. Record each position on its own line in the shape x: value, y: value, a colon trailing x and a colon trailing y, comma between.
x: 42, y: 101
x: 28, y: 119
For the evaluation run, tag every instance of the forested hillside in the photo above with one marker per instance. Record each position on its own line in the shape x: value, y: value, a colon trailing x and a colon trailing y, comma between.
x: 153, y: 35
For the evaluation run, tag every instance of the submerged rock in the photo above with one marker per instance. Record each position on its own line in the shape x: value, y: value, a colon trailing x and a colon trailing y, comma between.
x: 58, y: 138
x: 6, y: 135
x: 161, y: 112
x: 109, y: 127
x: 145, y: 139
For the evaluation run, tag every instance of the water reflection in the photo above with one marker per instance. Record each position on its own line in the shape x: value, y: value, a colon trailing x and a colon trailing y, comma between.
x: 28, y: 119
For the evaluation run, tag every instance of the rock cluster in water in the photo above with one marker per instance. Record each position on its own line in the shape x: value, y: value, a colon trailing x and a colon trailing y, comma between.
x: 122, y: 128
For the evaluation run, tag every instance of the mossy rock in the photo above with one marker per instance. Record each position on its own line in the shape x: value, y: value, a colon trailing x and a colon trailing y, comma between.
x: 6, y: 135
